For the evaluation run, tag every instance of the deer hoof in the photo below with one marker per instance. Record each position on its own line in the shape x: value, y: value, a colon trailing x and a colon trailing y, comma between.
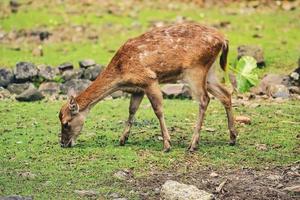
x: 232, y: 143
x: 123, y: 141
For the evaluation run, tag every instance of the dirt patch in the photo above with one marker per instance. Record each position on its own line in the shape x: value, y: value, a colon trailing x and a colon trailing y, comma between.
x: 228, y: 184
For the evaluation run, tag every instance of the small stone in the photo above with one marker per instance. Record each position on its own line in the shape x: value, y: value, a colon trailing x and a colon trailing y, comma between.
x: 243, y: 119
x: 65, y: 66
x: 87, y: 63
x: 273, y: 177
x: 122, y: 175
x: 6, y: 77
x: 213, y: 174
x: 4, y: 93
x: 25, y: 71
x: 86, y: 193
x: 172, y: 190
x: 28, y: 175
x: 31, y: 94
x: 294, y: 90
x: 47, y: 73
x: 261, y: 147
x: 176, y: 90
x: 49, y: 88
x: 278, y: 91
x: 117, y: 94
x: 18, y: 88
x: 16, y: 197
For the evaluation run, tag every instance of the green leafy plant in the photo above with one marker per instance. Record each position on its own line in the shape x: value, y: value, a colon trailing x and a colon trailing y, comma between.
x: 243, y: 70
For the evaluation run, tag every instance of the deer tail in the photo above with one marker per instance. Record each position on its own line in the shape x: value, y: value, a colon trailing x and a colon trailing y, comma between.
x: 223, y: 58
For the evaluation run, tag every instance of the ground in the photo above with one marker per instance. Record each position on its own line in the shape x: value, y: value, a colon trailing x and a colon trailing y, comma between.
x: 33, y: 163
x: 29, y: 144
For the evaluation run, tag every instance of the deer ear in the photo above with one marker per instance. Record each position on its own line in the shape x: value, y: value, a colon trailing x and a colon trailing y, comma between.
x: 73, y: 106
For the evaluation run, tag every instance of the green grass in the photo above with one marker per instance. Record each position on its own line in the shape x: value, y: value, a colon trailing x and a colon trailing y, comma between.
x: 29, y: 143
x: 279, y: 30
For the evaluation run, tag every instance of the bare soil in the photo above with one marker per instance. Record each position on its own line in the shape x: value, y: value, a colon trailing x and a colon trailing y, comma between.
x: 237, y: 184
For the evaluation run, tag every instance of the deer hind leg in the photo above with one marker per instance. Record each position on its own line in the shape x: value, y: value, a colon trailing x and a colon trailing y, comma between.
x: 135, y: 101
x: 154, y: 94
x: 197, y: 81
x: 224, y: 96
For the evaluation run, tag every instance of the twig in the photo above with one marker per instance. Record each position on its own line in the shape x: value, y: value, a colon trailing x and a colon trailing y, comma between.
x: 220, y: 187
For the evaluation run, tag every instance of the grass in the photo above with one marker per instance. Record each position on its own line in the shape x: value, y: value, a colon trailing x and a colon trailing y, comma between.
x: 279, y: 30
x: 29, y: 143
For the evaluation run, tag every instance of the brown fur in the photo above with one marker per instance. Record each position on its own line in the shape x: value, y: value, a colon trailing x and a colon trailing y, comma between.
x: 183, y: 51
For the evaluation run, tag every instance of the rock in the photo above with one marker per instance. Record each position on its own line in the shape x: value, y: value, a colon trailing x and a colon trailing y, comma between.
x: 86, y: 193
x: 38, y: 51
x: 25, y: 71
x: 77, y: 85
x: 172, y: 190
x: 243, y: 119
x: 18, y: 88
x: 261, y: 147
x: 278, y: 91
x: 4, y: 93
x: 16, y: 197
x: 92, y: 72
x: 27, y: 175
x: 65, y: 66
x: 295, y: 76
x: 47, y: 73
x: 122, y: 175
x: 49, y: 88
x: 267, y: 81
x: 71, y: 74
x: 176, y: 90
x: 117, y: 94
x: 293, y: 189
x: 31, y: 94
x: 294, y: 90
x: 274, y: 177
x: 87, y: 63
x: 214, y: 174
x: 253, y: 51
x: 43, y: 35
x: 14, y: 5
x: 6, y: 77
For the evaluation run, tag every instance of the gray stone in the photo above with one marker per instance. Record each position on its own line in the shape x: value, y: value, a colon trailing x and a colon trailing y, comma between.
x: 178, y: 90
x: 4, y: 93
x: 122, y: 175
x: 117, y: 94
x: 253, y: 51
x: 278, y: 91
x: 294, y: 90
x: 49, y: 88
x: 87, y: 63
x: 267, y: 81
x: 6, y: 77
x: 65, y: 66
x: 295, y: 77
x: 92, y: 73
x: 77, y: 85
x: 71, y: 74
x: 47, y: 73
x: 16, y: 197
x: 25, y: 71
x: 86, y: 193
x: 172, y: 190
x: 31, y: 94
x: 18, y: 88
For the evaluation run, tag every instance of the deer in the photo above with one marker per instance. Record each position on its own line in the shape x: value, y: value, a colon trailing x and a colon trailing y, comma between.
x: 184, y: 51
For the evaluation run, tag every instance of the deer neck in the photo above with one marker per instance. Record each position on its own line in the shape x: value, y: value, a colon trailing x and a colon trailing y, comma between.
x: 105, y: 84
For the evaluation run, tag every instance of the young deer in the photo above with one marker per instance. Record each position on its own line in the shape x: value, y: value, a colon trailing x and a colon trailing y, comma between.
x: 183, y: 51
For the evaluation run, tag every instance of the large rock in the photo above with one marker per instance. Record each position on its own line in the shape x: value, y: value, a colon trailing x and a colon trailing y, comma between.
x: 47, y: 73
x: 65, y: 66
x: 18, y: 88
x: 31, y: 94
x: 77, y: 85
x: 25, y: 71
x: 178, y: 90
x: 49, y: 88
x: 172, y: 190
x: 278, y: 91
x: 87, y: 63
x: 71, y: 74
x: 16, y: 197
x: 253, y: 51
x: 6, y: 77
x: 268, y: 80
x: 91, y: 73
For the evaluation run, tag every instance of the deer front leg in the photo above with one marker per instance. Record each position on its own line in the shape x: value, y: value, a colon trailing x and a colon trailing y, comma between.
x: 135, y: 101
x: 155, y: 96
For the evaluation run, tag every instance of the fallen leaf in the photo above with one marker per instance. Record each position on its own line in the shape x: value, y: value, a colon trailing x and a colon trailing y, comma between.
x: 243, y: 119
